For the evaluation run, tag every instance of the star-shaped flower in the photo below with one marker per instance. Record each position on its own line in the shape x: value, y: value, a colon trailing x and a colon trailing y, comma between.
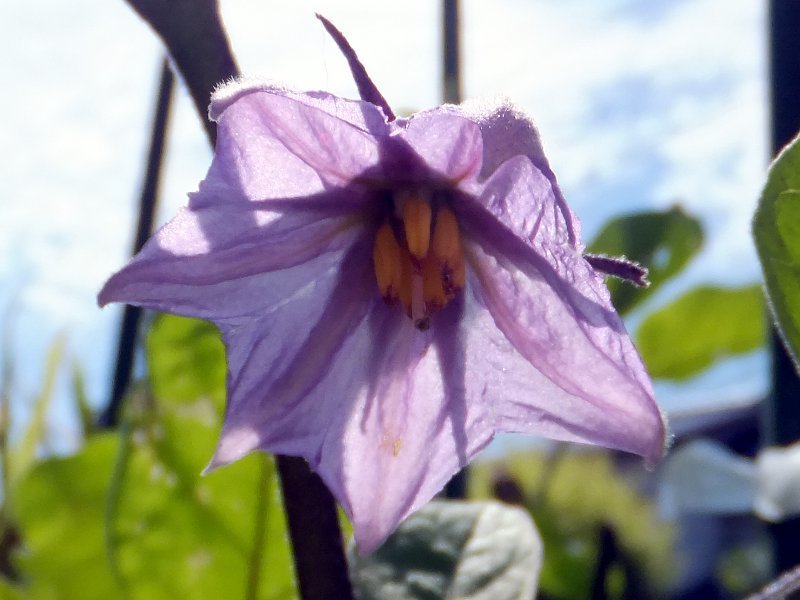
x: 391, y: 293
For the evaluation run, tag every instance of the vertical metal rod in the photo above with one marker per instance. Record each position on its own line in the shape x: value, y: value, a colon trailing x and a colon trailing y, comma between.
x: 131, y: 315
x: 782, y: 411
x: 451, y: 92
x: 451, y: 52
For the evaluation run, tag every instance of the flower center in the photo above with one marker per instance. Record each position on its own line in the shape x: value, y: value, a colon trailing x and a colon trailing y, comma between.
x: 418, y: 258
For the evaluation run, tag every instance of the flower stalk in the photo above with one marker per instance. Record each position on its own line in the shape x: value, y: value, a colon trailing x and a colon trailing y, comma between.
x: 319, y: 560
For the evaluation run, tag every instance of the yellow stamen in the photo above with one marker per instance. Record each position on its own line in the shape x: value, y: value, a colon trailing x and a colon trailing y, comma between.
x: 417, y: 224
x: 388, y: 258
x: 446, y: 248
x: 423, y: 270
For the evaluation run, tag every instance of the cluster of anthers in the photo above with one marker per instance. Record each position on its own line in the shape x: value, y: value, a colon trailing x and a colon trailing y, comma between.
x: 418, y: 256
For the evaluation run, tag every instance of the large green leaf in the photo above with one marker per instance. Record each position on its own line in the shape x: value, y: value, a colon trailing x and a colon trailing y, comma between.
x: 175, y: 533
x: 186, y: 360
x: 664, y: 242
x: 60, y: 507
x: 776, y: 228
x: 701, y: 327
x: 469, y: 550
x: 130, y: 516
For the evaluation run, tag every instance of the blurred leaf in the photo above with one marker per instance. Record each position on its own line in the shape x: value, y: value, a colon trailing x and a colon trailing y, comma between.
x: 131, y: 512
x: 776, y: 229
x: 186, y: 360
x: 582, y: 492
x: 22, y: 456
x: 9, y: 592
x: 60, y: 506
x: 469, y: 550
x: 701, y: 327
x: 175, y: 533
x: 664, y: 242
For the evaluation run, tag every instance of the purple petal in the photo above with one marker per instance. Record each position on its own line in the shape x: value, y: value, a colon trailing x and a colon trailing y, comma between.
x: 232, y: 260
x: 523, y: 199
x: 508, y: 132
x: 272, y: 144
x: 366, y: 88
x: 360, y: 114
x: 588, y: 382
x: 295, y: 370
x: 360, y: 396
x: 526, y: 399
x: 450, y: 145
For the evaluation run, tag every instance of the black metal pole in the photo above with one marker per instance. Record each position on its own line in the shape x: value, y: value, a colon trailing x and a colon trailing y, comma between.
x: 451, y: 52
x: 131, y: 315
x: 451, y: 92
x: 782, y: 411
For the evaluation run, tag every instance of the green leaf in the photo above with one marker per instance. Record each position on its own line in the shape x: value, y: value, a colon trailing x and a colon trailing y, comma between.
x: 702, y: 326
x: 571, y: 496
x: 776, y: 228
x: 159, y: 529
x: 448, y: 549
x: 175, y: 533
x: 186, y: 360
x: 664, y: 242
x: 60, y: 507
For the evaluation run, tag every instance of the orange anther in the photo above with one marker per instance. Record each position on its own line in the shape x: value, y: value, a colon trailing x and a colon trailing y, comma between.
x: 387, y: 257
x: 417, y: 224
x: 446, y: 248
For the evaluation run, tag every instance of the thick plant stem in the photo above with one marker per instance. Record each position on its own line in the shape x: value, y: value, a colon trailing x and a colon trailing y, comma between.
x: 192, y: 32
x: 319, y: 560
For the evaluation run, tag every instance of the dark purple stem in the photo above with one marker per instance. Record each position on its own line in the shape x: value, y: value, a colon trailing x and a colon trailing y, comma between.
x: 193, y: 34
x: 366, y: 88
x: 319, y: 558
x: 619, y: 267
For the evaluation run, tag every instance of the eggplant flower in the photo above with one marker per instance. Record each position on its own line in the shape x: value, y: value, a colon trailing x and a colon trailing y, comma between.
x: 391, y: 293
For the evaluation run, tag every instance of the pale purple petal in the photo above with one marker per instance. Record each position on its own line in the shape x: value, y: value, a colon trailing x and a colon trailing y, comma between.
x: 360, y: 114
x: 413, y: 433
x: 343, y: 389
x: 508, y: 132
x: 556, y: 313
x: 522, y: 198
x: 295, y: 369
x: 450, y: 145
x: 524, y: 399
x: 272, y: 144
x: 225, y: 261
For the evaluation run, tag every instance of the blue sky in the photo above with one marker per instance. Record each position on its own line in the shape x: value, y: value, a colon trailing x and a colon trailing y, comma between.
x: 640, y: 104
